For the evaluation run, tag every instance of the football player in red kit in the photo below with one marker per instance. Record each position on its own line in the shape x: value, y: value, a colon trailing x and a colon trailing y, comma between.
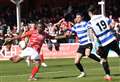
x: 36, y: 40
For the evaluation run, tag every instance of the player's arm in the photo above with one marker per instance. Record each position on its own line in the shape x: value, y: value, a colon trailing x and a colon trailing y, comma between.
x: 67, y: 34
x: 59, y: 22
x: 60, y: 37
x: 93, y: 38
x: 56, y: 37
x: 8, y: 39
x: 27, y: 34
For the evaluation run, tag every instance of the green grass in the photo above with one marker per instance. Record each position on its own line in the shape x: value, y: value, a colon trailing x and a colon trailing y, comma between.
x: 59, y: 70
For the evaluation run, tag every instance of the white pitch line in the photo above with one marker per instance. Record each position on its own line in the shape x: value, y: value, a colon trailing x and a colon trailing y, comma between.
x: 28, y: 74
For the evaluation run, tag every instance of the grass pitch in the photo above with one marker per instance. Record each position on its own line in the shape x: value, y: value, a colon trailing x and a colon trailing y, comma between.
x: 59, y: 70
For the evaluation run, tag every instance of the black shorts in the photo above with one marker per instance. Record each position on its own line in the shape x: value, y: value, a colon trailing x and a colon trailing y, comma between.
x: 50, y: 45
x: 82, y: 48
x: 103, y: 51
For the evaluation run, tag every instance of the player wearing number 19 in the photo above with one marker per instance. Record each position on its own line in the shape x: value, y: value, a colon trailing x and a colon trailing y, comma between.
x: 100, y: 26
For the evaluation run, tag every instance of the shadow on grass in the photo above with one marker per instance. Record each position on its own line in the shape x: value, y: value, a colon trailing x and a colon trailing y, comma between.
x: 115, y: 74
x: 61, y: 77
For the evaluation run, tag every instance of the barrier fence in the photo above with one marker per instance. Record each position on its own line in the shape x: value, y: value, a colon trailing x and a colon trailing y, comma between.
x: 67, y: 50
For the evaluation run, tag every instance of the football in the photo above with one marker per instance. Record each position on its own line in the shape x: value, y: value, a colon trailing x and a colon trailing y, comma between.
x: 22, y: 44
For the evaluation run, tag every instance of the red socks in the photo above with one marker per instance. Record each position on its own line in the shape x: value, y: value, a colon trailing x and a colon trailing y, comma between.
x: 34, y: 70
x: 42, y: 57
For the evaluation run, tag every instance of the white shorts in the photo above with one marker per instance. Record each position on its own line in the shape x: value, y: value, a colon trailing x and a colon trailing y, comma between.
x: 30, y: 52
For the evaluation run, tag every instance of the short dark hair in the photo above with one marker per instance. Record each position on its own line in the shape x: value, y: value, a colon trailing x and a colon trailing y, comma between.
x: 94, y: 9
x: 41, y: 25
x: 80, y: 13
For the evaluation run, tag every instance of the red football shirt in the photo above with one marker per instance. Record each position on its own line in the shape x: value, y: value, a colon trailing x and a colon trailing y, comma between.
x: 36, y: 40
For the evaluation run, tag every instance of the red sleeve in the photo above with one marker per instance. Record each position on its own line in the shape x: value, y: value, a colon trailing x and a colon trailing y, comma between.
x: 27, y: 34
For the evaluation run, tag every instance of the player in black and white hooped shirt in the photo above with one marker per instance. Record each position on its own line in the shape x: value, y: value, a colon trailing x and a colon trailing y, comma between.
x: 107, y: 41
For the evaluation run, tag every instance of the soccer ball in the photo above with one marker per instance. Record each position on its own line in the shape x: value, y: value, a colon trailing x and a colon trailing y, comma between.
x: 22, y: 44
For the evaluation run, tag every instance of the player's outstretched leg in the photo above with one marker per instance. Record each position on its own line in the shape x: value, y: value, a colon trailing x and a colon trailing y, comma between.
x: 94, y: 57
x: 80, y: 68
x: 107, y: 70
x: 42, y: 60
x: 79, y: 65
x: 16, y: 59
x: 28, y: 61
x: 34, y: 70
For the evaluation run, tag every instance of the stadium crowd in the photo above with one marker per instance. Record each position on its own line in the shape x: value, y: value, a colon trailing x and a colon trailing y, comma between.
x: 57, y: 20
